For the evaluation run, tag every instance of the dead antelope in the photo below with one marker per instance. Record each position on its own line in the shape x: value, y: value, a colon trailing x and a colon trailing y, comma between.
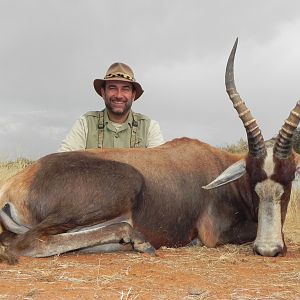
x: 79, y: 200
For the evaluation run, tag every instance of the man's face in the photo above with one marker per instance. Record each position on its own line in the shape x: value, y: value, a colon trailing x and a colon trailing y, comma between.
x: 118, y: 96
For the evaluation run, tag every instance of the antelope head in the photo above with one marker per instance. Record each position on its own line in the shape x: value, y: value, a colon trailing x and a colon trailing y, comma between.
x: 270, y: 170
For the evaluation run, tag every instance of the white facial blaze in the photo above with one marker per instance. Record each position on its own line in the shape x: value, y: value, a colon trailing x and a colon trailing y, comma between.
x: 269, y: 236
x: 269, y: 231
x: 268, y: 166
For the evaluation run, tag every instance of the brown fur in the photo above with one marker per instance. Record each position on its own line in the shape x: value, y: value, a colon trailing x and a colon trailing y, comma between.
x: 163, y: 192
x: 69, y: 190
x: 284, y: 173
x: 173, y: 200
x: 207, y: 232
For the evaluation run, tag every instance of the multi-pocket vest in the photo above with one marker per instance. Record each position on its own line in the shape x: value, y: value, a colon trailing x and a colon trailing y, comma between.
x: 102, y: 134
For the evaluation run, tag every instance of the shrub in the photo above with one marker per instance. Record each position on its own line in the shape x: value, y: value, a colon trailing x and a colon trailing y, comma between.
x: 238, y: 147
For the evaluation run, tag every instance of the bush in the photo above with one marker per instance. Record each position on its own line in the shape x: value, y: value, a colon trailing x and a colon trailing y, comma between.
x: 242, y: 145
x: 239, y: 147
x: 296, y: 140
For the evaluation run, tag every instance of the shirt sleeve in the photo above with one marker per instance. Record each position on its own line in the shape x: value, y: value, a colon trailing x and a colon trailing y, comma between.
x: 155, y: 137
x: 76, y: 138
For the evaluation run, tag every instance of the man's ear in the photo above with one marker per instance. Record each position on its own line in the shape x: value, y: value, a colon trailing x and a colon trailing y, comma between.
x: 102, y: 91
x: 133, y: 94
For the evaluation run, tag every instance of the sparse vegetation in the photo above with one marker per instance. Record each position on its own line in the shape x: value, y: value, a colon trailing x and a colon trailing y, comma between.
x: 296, y: 140
x: 10, y: 168
x: 19, y: 163
x: 240, y: 146
x: 228, y: 272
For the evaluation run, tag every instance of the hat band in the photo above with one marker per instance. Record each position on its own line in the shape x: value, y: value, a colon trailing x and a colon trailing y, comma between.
x: 123, y: 75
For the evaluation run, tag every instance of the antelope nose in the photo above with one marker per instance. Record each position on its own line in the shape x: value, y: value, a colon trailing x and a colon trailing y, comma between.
x: 270, y: 251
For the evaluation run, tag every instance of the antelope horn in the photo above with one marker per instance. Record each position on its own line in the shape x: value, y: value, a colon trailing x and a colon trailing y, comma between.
x: 256, y: 142
x: 283, y: 144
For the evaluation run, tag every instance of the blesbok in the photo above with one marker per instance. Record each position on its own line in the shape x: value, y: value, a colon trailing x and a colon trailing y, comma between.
x: 78, y: 200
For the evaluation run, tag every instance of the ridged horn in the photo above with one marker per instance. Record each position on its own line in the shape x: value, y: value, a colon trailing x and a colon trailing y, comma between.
x: 256, y: 142
x: 283, y: 144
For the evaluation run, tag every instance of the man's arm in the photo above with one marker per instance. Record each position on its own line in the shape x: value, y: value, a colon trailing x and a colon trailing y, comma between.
x: 155, y: 137
x: 76, y: 138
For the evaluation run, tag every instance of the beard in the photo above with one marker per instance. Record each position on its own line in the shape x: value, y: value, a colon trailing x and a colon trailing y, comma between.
x: 119, y: 109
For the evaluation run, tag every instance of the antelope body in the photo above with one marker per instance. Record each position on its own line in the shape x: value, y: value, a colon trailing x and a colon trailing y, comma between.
x: 164, y: 196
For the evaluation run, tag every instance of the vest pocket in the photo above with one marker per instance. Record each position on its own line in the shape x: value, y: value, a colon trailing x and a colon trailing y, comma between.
x: 138, y: 143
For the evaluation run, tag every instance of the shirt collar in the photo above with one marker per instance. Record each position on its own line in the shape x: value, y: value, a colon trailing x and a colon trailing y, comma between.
x: 124, y: 125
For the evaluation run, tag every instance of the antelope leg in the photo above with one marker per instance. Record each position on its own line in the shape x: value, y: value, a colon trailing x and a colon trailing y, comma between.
x: 48, y: 245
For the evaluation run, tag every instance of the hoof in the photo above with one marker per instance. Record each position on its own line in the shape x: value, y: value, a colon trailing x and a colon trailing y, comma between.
x: 7, y: 256
x: 144, y: 248
x: 150, y: 250
x: 125, y: 240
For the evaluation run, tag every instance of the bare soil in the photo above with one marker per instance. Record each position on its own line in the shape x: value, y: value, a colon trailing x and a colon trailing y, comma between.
x: 228, y: 272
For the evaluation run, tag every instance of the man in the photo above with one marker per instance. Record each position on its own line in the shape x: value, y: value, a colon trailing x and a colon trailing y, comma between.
x: 117, y: 126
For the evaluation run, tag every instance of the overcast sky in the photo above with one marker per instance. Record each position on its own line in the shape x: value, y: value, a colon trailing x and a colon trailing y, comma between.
x: 52, y: 50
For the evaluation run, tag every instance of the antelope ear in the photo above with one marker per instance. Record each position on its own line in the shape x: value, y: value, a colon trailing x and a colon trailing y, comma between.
x: 232, y: 173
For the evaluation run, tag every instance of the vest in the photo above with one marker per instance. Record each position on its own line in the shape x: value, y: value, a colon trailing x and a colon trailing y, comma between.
x: 102, y: 134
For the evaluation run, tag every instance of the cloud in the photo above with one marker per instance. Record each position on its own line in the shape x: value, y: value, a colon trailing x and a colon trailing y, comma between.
x: 31, y: 134
x: 51, y: 51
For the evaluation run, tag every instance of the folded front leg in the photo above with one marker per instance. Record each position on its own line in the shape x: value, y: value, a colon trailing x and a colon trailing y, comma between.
x: 36, y: 244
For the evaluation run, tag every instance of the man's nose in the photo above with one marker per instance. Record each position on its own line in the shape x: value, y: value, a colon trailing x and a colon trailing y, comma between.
x: 119, y: 93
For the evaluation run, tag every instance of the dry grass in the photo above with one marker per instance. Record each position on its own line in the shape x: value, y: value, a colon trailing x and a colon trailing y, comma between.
x: 240, y: 146
x: 292, y: 223
x: 294, y: 206
x: 10, y: 168
x: 228, y: 272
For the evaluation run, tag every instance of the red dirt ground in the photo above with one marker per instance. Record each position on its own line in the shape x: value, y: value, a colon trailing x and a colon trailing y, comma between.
x: 229, y: 272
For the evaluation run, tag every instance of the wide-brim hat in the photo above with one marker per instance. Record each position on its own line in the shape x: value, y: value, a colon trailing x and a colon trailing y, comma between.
x: 122, y: 72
